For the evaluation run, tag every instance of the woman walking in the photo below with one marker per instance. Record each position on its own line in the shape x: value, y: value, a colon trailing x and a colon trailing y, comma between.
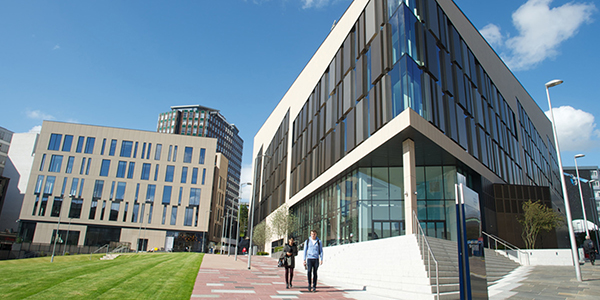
x: 290, y: 250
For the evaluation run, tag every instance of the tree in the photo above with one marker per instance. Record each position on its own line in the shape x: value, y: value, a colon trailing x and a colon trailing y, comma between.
x: 243, y: 220
x: 537, y: 217
x: 283, y: 222
x: 262, y: 232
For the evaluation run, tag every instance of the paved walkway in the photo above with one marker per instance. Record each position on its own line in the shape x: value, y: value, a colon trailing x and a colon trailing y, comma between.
x: 548, y: 283
x: 222, y: 277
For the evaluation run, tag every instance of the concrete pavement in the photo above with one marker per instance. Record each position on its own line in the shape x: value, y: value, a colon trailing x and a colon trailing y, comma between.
x: 221, y: 277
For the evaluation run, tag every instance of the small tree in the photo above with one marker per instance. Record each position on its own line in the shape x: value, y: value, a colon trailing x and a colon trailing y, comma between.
x: 283, y: 222
x: 243, y: 219
x: 537, y: 217
x: 262, y: 232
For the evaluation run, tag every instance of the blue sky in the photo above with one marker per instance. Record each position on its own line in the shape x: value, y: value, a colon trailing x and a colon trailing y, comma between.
x: 121, y: 63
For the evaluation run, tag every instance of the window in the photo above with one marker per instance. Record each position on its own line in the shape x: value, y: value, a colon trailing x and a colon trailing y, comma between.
x: 166, y: 199
x: 38, y: 185
x: 149, y: 148
x: 134, y: 214
x: 189, y: 214
x: 131, y: 170
x: 194, y: 175
x: 103, y: 210
x: 164, y: 215
x: 135, y: 150
x: 203, y: 175
x: 187, y: 154
x: 150, y: 213
x: 120, y: 190
x: 89, y: 145
x: 55, y: 163
x: 82, y: 166
x: 156, y: 173
x: 87, y: 168
x: 126, y: 147
x: 43, y: 162
x: 157, y: 151
x: 169, y: 173
x: 170, y: 152
x: 67, y: 143
x: 150, y: 193
x: 175, y: 154
x: 49, y: 187
x: 202, y: 154
x: 79, y: 144
x: 184, y: 171
x: 81, y: 187
x: 54, y: 143
x: 75, y: 210
x: 113, y: 147
x: 56, y: 206
x: 121, y: 168
x: 194, y: 196
x: 98, y: 187
x: 125, y: 212
x: 70, y: 162
x: 105, y: 167
x: 43, y: 205
x: 145, y: 172
x: 114, y: 211
x: 103, y: 146
x: 93, y: 207
x: 143, y: 150
x: 174, y: 215
x: 180, y: 195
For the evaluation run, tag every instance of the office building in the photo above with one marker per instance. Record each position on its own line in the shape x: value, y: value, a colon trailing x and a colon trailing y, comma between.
x: 5, y: 138
x: 144, y: 189
x: 18, y: 168
x: 197, y: 120
x: 400, y: 98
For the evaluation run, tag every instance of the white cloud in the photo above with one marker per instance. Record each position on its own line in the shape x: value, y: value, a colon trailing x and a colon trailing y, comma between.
x: 541, y: 30
x: 56, y: 47
x: 492, y: 34
x: 37, y: 114
x: 35, y: 129
x: 314, y: 3
x: 576, y: 129
x: 246, y: 176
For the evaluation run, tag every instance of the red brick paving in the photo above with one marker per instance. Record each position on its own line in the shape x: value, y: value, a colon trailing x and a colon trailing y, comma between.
x: 220, y: 277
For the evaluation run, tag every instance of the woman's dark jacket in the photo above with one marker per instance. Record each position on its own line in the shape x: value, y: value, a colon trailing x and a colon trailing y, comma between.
x: 290, y: 260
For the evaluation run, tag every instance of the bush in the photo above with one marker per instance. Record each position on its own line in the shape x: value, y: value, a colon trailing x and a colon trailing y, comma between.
x: 278, y: 249
x: 262, y: 253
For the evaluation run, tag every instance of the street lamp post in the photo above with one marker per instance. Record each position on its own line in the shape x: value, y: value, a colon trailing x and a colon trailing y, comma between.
x: 563, y: 183
x: 237, y: 237
x: 587, y: 232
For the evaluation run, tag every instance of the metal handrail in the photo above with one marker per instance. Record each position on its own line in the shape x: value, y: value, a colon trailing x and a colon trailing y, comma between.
x: 508, y: 246
x: 421, y: 238
x: 105, y: 246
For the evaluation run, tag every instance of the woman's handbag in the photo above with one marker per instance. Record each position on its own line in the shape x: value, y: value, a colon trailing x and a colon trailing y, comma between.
x: 281, y: 262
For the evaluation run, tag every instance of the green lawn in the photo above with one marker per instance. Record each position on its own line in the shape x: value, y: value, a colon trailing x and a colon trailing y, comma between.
x: 130, y: 276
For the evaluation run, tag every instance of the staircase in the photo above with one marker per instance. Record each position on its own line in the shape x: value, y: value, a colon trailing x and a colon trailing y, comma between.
x: 497, y: 266
x: 446, y: 253
x: 109, y: 256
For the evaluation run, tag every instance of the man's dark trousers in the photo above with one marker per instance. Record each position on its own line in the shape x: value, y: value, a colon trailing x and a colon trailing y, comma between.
x: 312, y: 264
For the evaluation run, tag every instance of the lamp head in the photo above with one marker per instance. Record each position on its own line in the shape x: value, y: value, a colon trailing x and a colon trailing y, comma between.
x: 579, y: 155
x: 554, y: 82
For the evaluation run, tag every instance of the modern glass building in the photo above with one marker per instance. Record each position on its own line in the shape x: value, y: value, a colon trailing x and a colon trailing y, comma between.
x: 147, y: 189
x: 401, y: 97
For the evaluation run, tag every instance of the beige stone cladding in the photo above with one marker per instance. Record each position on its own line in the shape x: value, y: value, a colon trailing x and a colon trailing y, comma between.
x: 218, y: 202
x: 119, y: 176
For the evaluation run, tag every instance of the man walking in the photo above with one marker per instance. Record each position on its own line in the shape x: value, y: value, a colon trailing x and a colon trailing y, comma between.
x: 590, y: 249
x: 313, y: 252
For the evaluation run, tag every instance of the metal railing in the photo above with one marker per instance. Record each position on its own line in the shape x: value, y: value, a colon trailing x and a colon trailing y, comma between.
x: 98, y: 250
x: 422, y: 240
x: 522, y: 256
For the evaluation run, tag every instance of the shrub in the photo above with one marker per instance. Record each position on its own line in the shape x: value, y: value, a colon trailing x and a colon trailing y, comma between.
x: 262, y: 253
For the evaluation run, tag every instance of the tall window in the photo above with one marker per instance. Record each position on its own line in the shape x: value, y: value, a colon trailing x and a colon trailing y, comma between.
x: 55, y: 163
x: 89, y: 145
x: 67, y: 143
x: 79, y: 144
x: 187, y: 155
x: 98, y: 187
x: 131, y: 170
x: 194, y: 196
x: 121, y: 168
x: 157, y: 151
x: 114, y: 211
x: 174, y: 153
x: 194, y: 175
x: 169, y: 173
x: 184, y: 172
x: 202, y: 154
x: 104, y: 167
x: 113, y: 147
x: 70, y: 162
x: 43, y: 162
x: 103, y: 146
x: 166, y: 199
x: 189, y: 215
x: 150, y: 193
x: 174, y: 215
x: 126, y: 147
x: 120, y: 195
x: 145, y: 172
x: 54, y: 143
x: 203, y: 175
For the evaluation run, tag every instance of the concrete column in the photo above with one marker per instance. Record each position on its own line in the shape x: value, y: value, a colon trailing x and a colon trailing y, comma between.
x: 410, y: 184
